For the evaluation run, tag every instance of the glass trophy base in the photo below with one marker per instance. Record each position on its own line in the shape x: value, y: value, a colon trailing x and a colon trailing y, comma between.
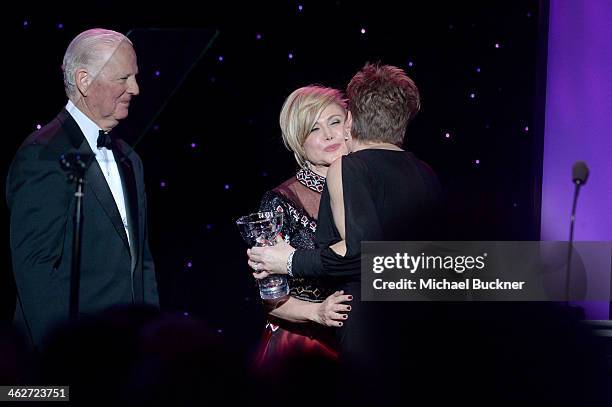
x: 273, y: 287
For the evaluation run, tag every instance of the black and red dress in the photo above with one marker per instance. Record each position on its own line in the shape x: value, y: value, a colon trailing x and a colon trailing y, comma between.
x: 298, y: 199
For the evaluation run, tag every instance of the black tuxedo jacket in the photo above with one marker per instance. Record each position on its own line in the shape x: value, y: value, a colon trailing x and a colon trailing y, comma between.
x: 41, y: 204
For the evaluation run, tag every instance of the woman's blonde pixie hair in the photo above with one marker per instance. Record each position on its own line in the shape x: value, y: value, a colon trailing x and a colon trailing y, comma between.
x: 300, y: 111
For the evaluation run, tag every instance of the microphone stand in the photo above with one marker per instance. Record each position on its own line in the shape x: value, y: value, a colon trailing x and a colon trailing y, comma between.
x: 580, y: 174
x: 76, y: 165
x: 570, y: 243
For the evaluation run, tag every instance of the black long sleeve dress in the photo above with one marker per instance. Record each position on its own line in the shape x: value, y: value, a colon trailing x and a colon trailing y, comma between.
x: 388, y: 195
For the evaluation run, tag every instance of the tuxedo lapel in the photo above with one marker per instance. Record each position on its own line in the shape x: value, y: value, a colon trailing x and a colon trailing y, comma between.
x: 98, y: 185
x: 94, y: 179
x: 130, y: 193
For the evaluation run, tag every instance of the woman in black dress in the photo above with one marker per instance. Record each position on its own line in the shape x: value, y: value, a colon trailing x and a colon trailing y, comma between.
x: 378, y: 192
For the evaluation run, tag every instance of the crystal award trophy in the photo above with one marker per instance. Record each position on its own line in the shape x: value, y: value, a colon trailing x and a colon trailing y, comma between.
x: 260, y: 229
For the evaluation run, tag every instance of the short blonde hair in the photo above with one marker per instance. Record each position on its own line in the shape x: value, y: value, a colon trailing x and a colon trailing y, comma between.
x: 300, y: 111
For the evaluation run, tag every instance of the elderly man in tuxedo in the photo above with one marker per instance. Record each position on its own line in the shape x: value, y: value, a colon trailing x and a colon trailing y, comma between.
x: 100, y: 71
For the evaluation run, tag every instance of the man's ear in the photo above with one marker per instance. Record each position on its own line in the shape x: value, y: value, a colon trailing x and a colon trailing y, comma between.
x: 82, y: 80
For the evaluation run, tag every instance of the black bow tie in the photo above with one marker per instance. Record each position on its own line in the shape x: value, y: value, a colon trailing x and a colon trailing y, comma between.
x: 104, y: 140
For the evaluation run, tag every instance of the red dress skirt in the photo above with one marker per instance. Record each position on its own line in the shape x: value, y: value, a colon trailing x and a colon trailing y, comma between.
x: 281, y: 344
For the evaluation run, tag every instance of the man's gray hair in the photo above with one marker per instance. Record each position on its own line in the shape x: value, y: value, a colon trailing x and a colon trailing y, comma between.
x: 89, y: 50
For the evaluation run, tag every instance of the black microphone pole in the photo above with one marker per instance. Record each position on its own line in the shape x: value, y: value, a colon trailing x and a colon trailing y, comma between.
x: 76, y: 165
x: 580, y: 174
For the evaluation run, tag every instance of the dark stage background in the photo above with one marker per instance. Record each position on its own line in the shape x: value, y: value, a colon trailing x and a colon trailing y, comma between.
x: 216, y: 147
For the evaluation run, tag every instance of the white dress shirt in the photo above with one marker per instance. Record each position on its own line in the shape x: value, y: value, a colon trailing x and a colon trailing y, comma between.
x: 105, y: 158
